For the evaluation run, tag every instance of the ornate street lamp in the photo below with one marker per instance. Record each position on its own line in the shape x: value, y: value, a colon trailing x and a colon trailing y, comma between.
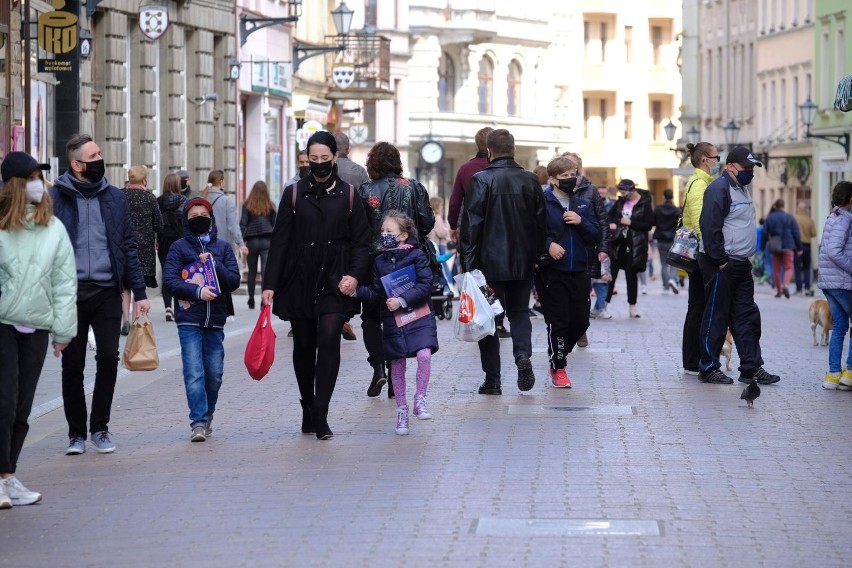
x: 808, y: 110
x: 731, y: 133
x: 693, y: 135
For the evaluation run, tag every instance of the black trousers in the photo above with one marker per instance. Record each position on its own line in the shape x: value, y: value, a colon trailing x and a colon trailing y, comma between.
x: 101, y: 311
x: 258, y: 248
x: 371, y: 328
x: 564, y: 298
x: 802, y: 266
x: 514, y: 295
x: 167, y: 298
x: 22, y: 356
x: 316, y: 356
x: 624, y: 261
x: 691, y: 346
x: 729, y: 302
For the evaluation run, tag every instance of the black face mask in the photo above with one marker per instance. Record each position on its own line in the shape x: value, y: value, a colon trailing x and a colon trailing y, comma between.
x: 95, y: 170
x: 568, y: 185
x: 304, y: 171
x: 200, y: 225
x: 183, y: 184
x: 322, y: 169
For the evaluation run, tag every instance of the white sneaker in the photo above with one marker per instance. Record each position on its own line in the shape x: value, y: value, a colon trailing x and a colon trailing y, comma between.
x: 19, y: 494
x: 644, y: 289
x: 604, y: 314
x: 402, y: 420
x: 665, y: 291
x: 5, y: 500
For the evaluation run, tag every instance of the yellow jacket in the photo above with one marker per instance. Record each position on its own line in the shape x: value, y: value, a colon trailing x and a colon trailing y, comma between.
x: 694, y: 199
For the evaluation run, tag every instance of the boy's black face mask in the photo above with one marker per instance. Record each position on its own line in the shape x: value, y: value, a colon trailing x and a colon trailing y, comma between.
x: 200, y: 225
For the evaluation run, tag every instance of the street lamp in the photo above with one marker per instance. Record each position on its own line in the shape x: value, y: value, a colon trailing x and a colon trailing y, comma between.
x: 342, y: 16
x: 731, y: 133
x: 809, y: 110
x: 670, y: 129
x: 693, y: 135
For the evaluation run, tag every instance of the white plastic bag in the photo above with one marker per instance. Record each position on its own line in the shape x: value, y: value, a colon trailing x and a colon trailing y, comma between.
x: 475, y: 318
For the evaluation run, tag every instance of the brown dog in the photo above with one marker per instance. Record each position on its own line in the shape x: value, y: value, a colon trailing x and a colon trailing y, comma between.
x: 820, y: 314
x: 727, y: 347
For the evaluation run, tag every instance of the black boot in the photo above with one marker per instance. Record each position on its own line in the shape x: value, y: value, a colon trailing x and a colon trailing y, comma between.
x: 307, y: 419
x: 320, y: 415
x: 378, y: 381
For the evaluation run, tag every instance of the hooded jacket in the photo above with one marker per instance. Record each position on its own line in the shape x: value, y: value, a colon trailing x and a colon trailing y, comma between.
x: 186, y: 250
x: 589, y: 191
x: 113, y: 218
x: 579, y: 241
x: 171, y: 210
x: 38, y: 280
x: 665, y: 221
x: 835, y: 252
x: 404, y: 342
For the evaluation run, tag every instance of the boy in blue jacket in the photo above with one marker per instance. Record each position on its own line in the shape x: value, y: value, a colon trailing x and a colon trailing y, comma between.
x: 202, y: 313
x: 562, y: 278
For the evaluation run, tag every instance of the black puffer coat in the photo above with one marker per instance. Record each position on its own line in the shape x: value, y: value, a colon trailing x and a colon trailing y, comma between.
x: 636, y: 238
x: 313, y: 247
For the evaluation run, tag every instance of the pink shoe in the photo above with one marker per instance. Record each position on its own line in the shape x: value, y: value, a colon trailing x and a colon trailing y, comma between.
x: 420, y: 410
x: 560, y: 379
x: 402, y: 420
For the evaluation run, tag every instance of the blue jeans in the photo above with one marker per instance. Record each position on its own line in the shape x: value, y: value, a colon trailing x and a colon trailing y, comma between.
x: 840, y: 304
x: 600, y: 288
x: 203, y: 355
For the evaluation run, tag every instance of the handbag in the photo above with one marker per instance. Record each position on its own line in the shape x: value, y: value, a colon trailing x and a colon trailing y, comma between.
x: 140, y: 351
x: 774, y: 244
x: 475, y: 318
x: 260, y: 349
x: 684, y: 251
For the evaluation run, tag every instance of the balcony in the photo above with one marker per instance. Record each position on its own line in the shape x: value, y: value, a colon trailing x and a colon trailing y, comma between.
x: 361, y: 71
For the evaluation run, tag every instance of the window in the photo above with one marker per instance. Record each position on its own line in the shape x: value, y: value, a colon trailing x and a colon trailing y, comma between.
x: 603, y: 118
x: 587, y: 36
x: 513, y: 90
x: 656, y: 118
x: 604, y: 33
x: 628, y: 44
x: 628, y: 120
x: 446, y: 84
x: 486, y: 85
x: 656, y: 43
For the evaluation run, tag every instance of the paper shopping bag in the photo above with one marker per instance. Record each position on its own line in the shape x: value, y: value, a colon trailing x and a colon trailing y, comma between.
x: 140, y: 351
x: 260, y: 350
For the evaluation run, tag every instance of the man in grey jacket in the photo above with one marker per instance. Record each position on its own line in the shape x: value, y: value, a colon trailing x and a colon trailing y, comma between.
x: 729, y: 235
x: 347, y: 170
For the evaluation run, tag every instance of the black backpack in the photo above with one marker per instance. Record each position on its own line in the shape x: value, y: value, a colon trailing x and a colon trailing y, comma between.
x: 172, y: 226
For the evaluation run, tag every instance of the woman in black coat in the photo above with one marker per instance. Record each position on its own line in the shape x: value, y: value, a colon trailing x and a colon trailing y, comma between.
x: 320, y: 252
x: 630, y: 219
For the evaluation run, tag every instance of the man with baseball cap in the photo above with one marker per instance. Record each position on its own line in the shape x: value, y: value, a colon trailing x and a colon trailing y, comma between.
x: 728, y: 238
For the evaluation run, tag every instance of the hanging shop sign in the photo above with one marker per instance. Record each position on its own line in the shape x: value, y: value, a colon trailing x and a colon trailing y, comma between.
x: 343, y: 75
x: 153, y: 21
x: 57, y: 35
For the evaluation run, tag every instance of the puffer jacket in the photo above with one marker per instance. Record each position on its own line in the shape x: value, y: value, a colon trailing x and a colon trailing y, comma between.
x: 579, y: 241
x: 589, y: 191
x: 835, y: 252
x: 641, y: 221
x: 504, y: 228
x: 404, y: 342
x: 185, y: 251
x: 693, y: 199
x: 38, y: 280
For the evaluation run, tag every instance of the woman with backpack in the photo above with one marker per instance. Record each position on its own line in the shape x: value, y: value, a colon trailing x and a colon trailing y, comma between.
x: 171, y: 209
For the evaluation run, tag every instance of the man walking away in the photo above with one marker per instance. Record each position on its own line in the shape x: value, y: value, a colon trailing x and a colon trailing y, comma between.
x: 665, y: 224
x: 502, y: 234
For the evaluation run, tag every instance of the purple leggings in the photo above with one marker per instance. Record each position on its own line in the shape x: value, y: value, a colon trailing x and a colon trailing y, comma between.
x: 424, y: 369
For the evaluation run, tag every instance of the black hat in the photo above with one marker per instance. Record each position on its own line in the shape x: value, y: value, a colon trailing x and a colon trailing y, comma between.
x: 20, y: 165
x: 742, y: 156
x: 626, y: 185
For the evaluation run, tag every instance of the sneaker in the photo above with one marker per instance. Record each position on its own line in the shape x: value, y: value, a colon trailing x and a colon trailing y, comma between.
x: 526, y: 377
x: 125, y: 328
x: 102, y: 442
x: 402, y: 420
x: 76, y: 446
x: 762, y: 376
x: 594, y: 312
x: 832, y: 381
x: 503, y: 333
x: 846, y: 378
x: 19, y: 494
x: 665, y: 291
x: 198, y: 433
x: 715, y: 376
x: 673, y: 286
x: 644, y: 289
x: 693, y: 372
x: 634, y: 313
x: 559, y: 379
x: 604, y: 314
x: 170, y: 315
x: 420, y: 410
x: 583, y: 341
x: 5, y: 500
x: 208, y: 431
x: 347, y: 332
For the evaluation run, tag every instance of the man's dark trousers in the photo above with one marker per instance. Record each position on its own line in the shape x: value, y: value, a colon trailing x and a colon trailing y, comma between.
x: 729, y: 302
x: 514, y: 295
x: 102, y: 311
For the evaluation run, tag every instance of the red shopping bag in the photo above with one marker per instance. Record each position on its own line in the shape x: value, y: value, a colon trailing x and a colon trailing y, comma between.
x: 260, y: 350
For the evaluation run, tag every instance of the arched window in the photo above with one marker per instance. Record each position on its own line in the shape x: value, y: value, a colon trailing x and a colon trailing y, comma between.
x: 513, y: 90
x: 446, y: 84
x: 486, y: 85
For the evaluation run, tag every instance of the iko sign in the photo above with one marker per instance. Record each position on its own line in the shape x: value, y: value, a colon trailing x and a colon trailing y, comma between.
x: 57, y: 34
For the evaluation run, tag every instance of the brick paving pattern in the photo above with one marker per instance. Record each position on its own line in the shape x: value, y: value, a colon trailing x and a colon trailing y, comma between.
x: 726, y: 486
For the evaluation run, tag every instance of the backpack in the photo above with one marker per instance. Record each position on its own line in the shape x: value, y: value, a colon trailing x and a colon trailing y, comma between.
x: 172, y: 226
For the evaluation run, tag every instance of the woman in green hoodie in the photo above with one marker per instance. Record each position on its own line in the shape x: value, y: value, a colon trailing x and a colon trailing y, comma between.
x: 38, y: 297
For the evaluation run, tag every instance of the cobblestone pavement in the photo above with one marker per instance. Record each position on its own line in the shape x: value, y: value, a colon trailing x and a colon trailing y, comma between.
x: 637, y: 465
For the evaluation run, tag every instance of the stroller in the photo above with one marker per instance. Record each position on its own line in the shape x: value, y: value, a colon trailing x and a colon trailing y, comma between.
x: 444, y: 291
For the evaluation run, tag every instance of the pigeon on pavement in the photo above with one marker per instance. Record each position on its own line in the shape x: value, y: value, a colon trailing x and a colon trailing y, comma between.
x: 751, y: 392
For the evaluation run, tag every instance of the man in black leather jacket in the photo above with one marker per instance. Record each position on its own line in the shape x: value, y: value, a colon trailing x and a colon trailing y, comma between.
x: 503, y: 236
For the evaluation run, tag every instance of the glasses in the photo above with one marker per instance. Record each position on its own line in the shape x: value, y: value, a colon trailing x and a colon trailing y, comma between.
x: 712, y: 158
